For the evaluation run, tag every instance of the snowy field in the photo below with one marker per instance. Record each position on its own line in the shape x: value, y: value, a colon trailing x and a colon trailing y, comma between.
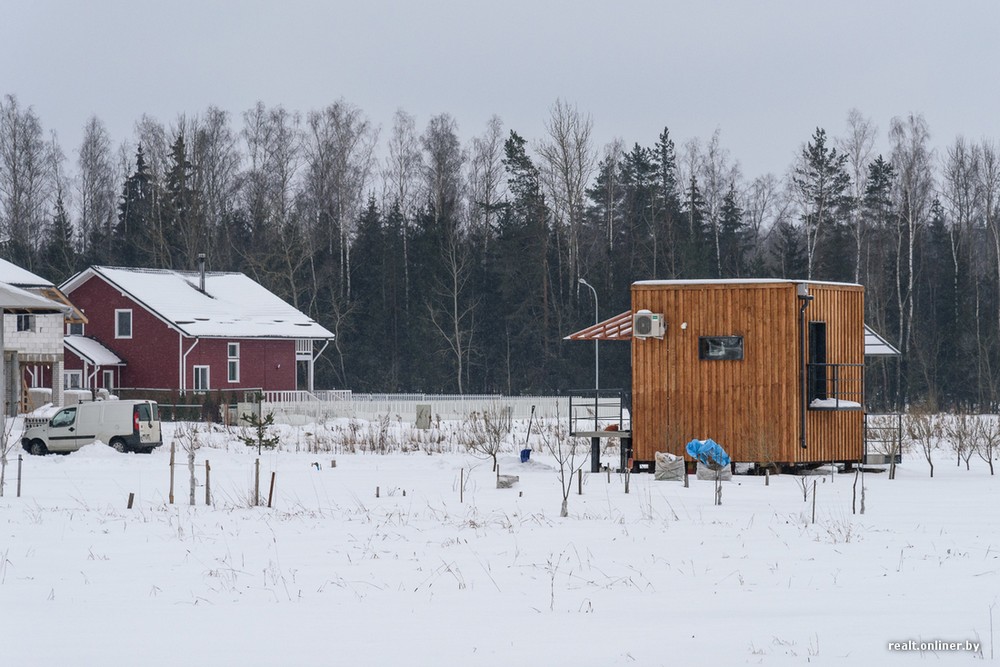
x: 384, y: 559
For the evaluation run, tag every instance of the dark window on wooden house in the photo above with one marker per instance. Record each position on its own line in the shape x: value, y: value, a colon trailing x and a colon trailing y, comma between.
x: 718, y: 348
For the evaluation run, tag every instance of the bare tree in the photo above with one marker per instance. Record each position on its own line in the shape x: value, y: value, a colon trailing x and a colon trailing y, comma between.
x: 911, y: 157
x: 189, y: 438
x: 570, y: 455
x: 214, y: 152
x: 988, y: 436
x: 924, y: 429
x: 340, y: 149
x: 400, y: 178
x: 485, y: 432
x: 26, y: 179
x: 442, y: 165
x: 858, y: 145
x: 97, y: 188
x: 273, y: 157
x: 451, y: 309
x: 486, y: 178
x: 989, y: 187
x: 7, y: 445
x: 961, y: 429
x: 567, y: 163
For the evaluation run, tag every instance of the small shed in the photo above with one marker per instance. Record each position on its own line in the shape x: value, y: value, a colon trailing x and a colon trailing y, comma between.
x: 771, y: 369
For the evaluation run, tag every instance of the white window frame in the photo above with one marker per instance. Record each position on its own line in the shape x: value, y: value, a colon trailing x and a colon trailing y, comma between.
x: 131, y: 325
x: 69, y: 329
x: 108, y: 380
x: 67, y: 384
x: 25, y: 322
x: 195, y: 377
x: 233, y: 362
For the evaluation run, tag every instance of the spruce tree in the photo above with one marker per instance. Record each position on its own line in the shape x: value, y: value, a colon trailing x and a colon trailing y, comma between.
x: 58, y: 252
x: 129, y: 242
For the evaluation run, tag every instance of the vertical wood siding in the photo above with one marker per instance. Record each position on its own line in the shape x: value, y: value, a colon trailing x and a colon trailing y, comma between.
x: 751, y: 406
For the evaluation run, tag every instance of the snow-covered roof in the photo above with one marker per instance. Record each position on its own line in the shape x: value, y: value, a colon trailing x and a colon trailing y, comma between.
x: 12, y: 274
x: 92, y: 351
x: 15, y: 298
x: 742, y: 281
x: 232, y: 305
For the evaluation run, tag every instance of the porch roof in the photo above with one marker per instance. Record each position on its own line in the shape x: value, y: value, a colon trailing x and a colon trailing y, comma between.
x: 92, y: 351
x: 619, y: 327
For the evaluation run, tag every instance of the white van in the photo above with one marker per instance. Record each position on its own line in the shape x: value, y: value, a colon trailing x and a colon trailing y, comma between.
x: 128, y: 426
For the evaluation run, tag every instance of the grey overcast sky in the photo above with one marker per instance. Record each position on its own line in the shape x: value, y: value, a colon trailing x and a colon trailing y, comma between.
x: 764, y: 72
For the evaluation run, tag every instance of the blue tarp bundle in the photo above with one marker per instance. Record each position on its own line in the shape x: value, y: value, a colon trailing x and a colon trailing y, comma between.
x: 708, y: 452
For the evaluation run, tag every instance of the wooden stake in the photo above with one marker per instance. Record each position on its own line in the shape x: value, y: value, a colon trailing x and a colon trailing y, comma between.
x: 609, y: 474
x: 270, y: 492
x: 19, y: 459
x: 767, y: 477
x: 814, y: 501
x: 627, y: 475
x: 579, y: 482
x: 131, y: 497
x: 208, y: 483
x: 256, y: 483
x: 172, y: 451
x: 376, y: 492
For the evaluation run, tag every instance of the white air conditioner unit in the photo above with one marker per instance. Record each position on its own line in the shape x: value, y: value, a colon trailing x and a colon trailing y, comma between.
x: 648, y: 325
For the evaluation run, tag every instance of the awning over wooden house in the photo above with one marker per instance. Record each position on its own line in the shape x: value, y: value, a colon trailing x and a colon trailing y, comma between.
x: 619, y: 327
x: 876, y: 346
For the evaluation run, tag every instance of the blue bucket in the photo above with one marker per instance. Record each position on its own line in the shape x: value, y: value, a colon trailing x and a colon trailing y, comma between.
x: 525, y: 455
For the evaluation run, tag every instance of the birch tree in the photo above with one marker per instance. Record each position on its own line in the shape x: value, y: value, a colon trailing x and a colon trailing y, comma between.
x: 911, y: 158
x: 567, y: 164
x: 857, y: 145
x: 96, y: 190
x: 26, y: 180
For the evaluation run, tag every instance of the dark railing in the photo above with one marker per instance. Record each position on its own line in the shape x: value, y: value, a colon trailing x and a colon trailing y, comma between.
x: 836, y: 386
x: 883, y: 438
x: 599, y: 410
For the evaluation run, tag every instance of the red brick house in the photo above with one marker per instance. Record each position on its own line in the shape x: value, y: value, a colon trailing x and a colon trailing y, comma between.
x: 189, y: 331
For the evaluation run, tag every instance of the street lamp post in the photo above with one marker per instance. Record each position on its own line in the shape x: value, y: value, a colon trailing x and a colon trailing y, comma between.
x: 597, y: 358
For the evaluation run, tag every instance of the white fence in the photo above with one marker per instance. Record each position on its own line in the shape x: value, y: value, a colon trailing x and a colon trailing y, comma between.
x: 302, y: 407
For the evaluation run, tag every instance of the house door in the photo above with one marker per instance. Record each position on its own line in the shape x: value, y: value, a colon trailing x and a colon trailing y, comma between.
x: 817, y: 361
x: 109, y: 381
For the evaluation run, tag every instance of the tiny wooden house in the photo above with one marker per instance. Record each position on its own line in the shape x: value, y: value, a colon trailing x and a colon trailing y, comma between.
x: 770, y: 369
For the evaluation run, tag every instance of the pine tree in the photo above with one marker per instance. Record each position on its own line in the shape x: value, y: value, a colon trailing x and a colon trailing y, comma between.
x: 822, y: 182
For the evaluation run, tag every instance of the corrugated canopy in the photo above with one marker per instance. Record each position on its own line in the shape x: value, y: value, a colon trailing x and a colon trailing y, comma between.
x: 876, y: 346
x: 618, y: 327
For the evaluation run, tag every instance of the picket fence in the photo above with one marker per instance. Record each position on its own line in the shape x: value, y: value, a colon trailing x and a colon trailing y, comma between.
x: 300, y: 407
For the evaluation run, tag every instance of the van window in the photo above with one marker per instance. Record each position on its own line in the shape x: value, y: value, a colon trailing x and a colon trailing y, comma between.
x: 64, y: 417
x: 145, y: 414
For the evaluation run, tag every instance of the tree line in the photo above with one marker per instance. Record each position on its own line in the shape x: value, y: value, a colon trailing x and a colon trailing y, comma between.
x: 444, y: 266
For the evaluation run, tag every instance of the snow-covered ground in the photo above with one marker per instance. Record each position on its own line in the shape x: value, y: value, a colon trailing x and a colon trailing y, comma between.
x: 381, y: 560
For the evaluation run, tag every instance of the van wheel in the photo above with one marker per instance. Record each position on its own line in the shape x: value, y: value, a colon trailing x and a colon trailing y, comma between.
x: 119, y: 445
x: 37, y: 448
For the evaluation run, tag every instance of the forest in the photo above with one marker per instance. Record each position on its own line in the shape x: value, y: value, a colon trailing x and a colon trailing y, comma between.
x: 446, y: 265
